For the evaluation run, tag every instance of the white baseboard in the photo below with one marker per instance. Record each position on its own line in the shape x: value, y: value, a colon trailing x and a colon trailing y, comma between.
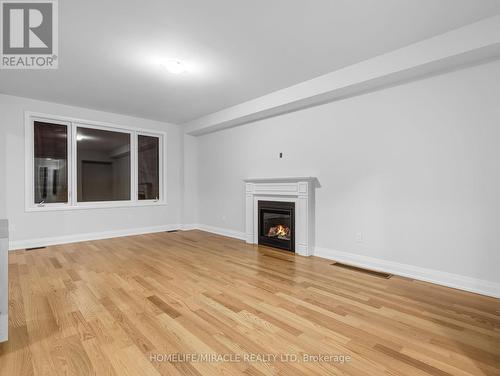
x: 188, y: 227
x: 215, y: 230
x: 438, y: 277
x: 44, y: 242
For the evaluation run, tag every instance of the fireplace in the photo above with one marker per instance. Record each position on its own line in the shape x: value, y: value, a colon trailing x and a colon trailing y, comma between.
x: 277, y: 224
x: 298, y: 190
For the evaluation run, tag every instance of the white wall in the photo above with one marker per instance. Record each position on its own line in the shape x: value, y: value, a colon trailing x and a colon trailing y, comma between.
x: 28, y: 226
x: 190, y: 180
x: 415, y: 168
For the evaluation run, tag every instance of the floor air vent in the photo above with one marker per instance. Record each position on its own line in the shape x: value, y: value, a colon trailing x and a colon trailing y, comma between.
x: 362, y: 270
x: 34, y: 248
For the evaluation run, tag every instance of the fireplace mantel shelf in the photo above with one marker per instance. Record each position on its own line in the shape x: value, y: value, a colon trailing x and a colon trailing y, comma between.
x: 280, y: 180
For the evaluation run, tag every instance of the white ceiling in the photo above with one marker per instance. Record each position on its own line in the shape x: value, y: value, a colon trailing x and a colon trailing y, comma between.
x: 239, y: 50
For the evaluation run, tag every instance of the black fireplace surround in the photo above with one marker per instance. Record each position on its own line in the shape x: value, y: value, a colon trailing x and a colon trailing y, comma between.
x: 277, y: 224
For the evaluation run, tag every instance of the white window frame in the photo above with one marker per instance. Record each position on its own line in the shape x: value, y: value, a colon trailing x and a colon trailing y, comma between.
x: 72, y: 125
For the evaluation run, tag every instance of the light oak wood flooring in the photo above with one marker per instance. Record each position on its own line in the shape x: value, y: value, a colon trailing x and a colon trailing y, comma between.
x: 114, y: 307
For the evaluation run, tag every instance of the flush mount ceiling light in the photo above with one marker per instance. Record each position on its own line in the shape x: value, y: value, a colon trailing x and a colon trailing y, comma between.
x: 174, y: 66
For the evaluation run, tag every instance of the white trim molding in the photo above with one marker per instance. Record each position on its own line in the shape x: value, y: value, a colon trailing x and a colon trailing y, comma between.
x: 66, y: 239
x: 222, y: 231
x: 189, y: 227
x: 214, y: 230
x: 438, y: 277
x: 299, y: 190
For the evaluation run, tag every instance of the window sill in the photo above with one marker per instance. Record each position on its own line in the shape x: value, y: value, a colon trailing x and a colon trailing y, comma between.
x: 102, y: 205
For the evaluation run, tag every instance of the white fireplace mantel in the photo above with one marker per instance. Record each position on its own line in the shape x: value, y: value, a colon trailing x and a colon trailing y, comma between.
x: 299, y: 190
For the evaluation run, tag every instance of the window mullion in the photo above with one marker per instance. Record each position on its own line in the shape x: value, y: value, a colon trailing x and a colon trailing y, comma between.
x: 74, y: 170
x: 134, y: 165
x: 162, y: 167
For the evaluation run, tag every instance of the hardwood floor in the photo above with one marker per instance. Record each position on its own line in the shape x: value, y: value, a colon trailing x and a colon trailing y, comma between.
x: 122, y: 306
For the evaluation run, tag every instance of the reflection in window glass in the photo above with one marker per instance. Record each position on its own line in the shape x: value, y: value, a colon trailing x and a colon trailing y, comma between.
x: 50, y: 163
x: 148, y: 173
x: 103, y: 165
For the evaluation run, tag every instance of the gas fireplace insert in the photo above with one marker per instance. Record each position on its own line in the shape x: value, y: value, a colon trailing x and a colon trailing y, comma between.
x: 277, y: 224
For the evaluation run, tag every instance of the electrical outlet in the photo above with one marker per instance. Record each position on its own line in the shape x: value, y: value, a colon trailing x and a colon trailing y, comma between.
x: 223, y: 218
x: 359, y: 237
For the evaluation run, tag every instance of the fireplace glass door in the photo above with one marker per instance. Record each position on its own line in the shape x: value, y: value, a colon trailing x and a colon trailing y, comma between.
x: 276, y: 224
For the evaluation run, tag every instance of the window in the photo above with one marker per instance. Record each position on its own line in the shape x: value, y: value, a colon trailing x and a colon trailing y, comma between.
x: 72, y: 165
x: 103, y: 165
x: 149, y: 157
x: 50, y: 163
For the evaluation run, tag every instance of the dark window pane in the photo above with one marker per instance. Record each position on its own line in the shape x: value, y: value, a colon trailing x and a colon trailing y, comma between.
x: 149, y: 174
x: 51, y: 162
x: 103, y: 165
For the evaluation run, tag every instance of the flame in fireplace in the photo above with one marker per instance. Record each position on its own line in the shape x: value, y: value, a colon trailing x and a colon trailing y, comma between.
x: 282, y: 230
x: 279, y: 231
